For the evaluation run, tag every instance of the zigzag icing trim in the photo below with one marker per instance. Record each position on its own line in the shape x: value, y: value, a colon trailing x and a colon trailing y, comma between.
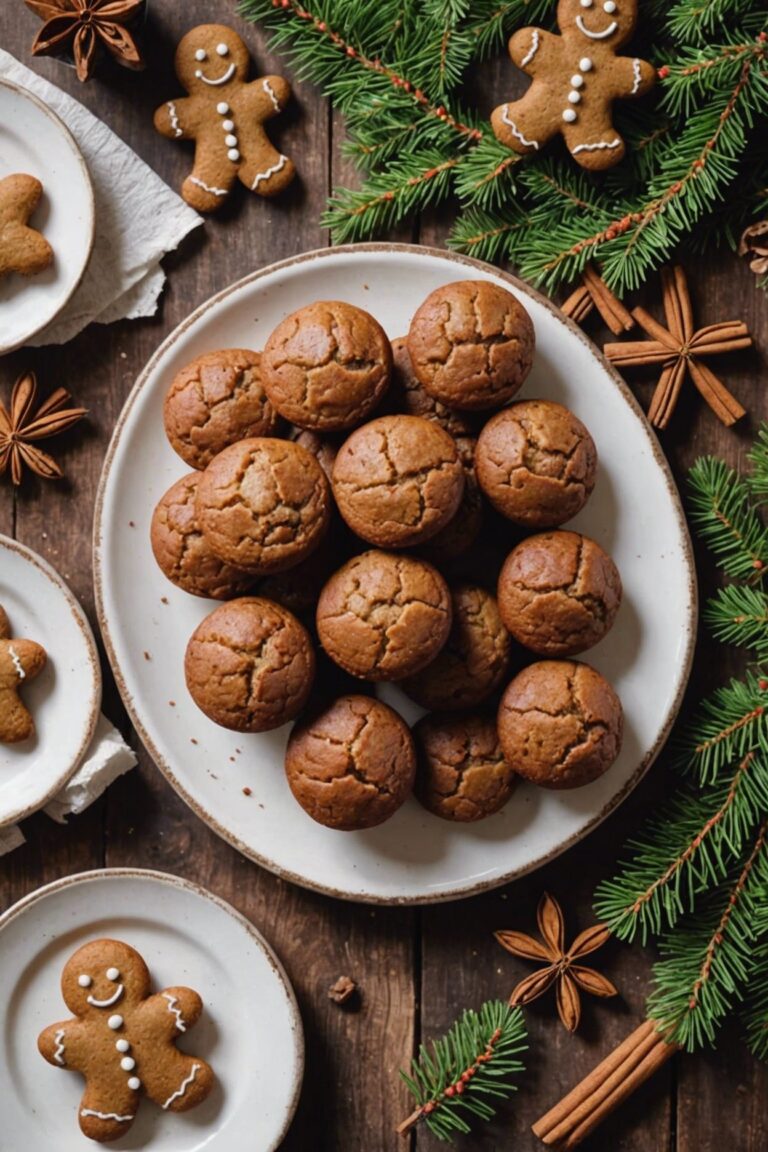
x: 597, y: 147
x: 105, y: 1115
x: 17, y: 663
x: 271, y: 93
x: 184, y: 1085
x: 174, y: 119
x: 516, y: 131
x: 534, y: 49
x: 59, y: 1053
x: 172, y: 1002
x: 206, y: 188
x: 637, y: 75
x: 281, y: 163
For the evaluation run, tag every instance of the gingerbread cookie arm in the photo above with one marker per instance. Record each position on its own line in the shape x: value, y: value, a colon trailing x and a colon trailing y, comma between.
x: 630, y: 77
x: 62, y: 1045
x: 24, y: 251
x: 20, y: 661
x: 172, y: 120
x: 527, y: 124
x: 534, y: 50
x: 174, y: 1010
x: 265, y: 97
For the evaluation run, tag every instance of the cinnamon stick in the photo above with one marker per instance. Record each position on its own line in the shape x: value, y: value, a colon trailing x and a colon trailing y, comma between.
x: 579, y: 304
x: 618, y: 318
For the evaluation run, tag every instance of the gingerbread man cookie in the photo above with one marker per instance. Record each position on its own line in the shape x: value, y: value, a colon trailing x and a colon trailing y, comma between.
x: 22, y: 249
x: 576, y: 77
x: 122, y: 1040
x: 20, y: 662
x: 225, y: 117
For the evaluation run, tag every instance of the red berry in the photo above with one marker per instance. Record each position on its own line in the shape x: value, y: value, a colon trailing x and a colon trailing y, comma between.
x: 663, y: 72
x: 450, y: 1090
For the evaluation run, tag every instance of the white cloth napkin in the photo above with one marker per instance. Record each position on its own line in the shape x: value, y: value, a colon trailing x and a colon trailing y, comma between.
x: 107, y: 758
x: 122, y: 281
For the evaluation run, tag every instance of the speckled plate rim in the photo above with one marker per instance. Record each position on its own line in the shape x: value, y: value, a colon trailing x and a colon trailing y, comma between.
x: 689, y: 626
x: 43, y: 319
x: 94, y: 706
x: 100, y: 874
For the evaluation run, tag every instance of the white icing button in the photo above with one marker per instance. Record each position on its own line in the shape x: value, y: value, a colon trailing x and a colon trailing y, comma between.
x: 609, y: 6
x: 123, y: 1046
x: 233, y: 154
x: 224, y: 51
x: 577, y: 81
x: 115, y: 1022
x: 134, y: 1083
x: 569, y: 115
x: 113, y: 974
x: 127, y: 1064
x: 574, y: 97
x: 84, y: 981
x: 198, y: 74
x: 223, y: 108
x: 230, y: 141
x: 586, y: 3
x: 585, y: 64
x: 227, y: 125
x: 201, y: 54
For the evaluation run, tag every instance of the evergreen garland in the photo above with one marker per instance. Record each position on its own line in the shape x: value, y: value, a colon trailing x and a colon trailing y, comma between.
x: 697, y: 877
x: 696, y: 171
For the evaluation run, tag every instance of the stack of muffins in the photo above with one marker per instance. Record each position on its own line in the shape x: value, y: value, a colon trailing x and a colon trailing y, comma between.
x: 355, y: 507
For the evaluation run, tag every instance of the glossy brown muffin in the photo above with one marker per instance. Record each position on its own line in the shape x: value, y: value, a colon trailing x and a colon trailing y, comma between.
x: 560, y: 724
x: 471, y: 344
x: 463, y: 529
x: 398, y: 480
x: 474, y: 659
x: 352, y: 764
x: 250, y: 665
x: 263, y: 505
x: 182, y: 552
x: 384, y: 616
x: 536, y: 463
x: 214, y: 401
x: 327, y: 366
x: 559, y: 593
x: 408, y: 395
x: 462, y: 774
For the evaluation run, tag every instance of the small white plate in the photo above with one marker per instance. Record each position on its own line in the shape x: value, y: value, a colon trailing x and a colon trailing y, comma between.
x: 64, y: 699
x: 634, y: 513
x: 33, y: 140
x: 250, y: 1031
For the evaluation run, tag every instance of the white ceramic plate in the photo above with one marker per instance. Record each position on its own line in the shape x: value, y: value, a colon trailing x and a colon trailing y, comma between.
x: 33, y: 140
x: 634, y: 512
x: 250, y: 1031
x: 64, y: 699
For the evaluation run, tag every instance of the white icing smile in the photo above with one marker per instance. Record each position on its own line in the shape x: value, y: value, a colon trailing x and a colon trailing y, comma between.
x: 221, y: 80
x: 609, y: 31
x: 107, y: 1003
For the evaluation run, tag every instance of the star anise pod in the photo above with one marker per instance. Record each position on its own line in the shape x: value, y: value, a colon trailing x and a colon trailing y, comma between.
x: 754, y: 243
x: 80, y: 26
x: 561, y: 967
x: 22, y: 425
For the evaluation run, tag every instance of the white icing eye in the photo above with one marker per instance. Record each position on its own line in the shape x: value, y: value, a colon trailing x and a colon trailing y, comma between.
x: 222, y: 49
x: 586, y: 3
x: 134, y: 1083
x: 609, y: 6
x: 577, y: 81
x: 84, y: 981
x: 222, y: 108
x: 201, y: 55
x: 113, y: 974
x: 123, y: 1046
x: 569, y: 115
x: 585, y: 64
x: 115, y: 1022
x: 198, y: 74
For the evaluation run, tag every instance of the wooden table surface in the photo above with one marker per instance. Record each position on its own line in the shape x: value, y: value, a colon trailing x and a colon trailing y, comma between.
x: 416, y: 968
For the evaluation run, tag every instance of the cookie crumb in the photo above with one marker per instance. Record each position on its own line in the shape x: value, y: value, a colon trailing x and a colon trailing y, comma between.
x: 131, y: 523
x: 247, y: 791
x: 147, y: 656
x: 172, y: 703
x: 342, y: 991
x: 192, y: 740
x: 163, y: 599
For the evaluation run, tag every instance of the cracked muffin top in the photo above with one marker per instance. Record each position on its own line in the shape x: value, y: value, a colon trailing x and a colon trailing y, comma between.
x: 471, y: 344
x: 215, y: 401
x: 352, y: 764
x: 536, y: 463
x: 384, y: 616
x: 250, y: 665
x: 181, y: 551
x: 408, y: 395
x: 461, y: 772
x: 559, y: 593
x: 263, y: 505
x: 398, y: 480
x: 474, y: 659
x: 326, y: 366
x: 560, y: 724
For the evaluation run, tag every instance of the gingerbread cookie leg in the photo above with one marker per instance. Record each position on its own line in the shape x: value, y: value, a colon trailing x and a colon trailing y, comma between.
x: 597, y: 146
x: 211, y: 180
x: 107, y: 1113
x: 265, y: 170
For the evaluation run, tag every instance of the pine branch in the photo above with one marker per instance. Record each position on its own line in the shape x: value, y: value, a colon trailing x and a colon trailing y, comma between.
x: 755, y: 1014
x: 758, y: 459
x: 458, y: 1077
x: 722, y: 513
x: 728, y: 724
x: 738, y: 615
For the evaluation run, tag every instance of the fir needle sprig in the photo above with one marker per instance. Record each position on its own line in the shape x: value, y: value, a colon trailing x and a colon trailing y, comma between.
x: 462, y: 1074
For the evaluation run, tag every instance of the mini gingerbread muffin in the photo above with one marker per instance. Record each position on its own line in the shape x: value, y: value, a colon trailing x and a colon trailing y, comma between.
x: 215, y: 401
x: 462, y: 530
x: 471, y: 344
x: 398, y: 480
x: 473, y: 661
x: 352, y: 764
x: 559, y: 593
x: 263, y: 505
x: 384, y: 616
x: 536, y: 463
x: 462, y: 774
x: 250, y: 665
x: 560, y: 724
x: 327, y: 366
x: 407, y: 394
x: 182, y: 552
